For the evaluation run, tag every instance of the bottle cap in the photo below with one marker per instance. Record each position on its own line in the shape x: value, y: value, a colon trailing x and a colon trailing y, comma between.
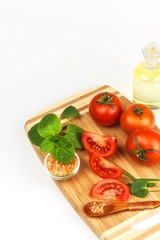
x: 151, y: 50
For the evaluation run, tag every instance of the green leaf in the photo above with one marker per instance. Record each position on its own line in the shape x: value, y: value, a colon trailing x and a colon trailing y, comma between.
x: 70, y: 112
x: 63, y: 150
x: 34, y: 136
x: 49, y: 126
x: 47, y: 145
x: 63, y: 155
x: 139, y: 188
x: 74, y: 134
x: 72, y: 128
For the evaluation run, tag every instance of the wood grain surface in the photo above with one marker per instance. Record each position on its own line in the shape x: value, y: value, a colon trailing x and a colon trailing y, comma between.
x: 76, y: 189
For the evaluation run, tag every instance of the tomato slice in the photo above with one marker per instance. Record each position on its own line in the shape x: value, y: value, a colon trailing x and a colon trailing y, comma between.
x: 103, y: 168
x: 105, y: 145
x: 110, y: 189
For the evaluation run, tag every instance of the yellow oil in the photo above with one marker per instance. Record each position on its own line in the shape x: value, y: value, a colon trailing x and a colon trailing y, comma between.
x: 146, y: 83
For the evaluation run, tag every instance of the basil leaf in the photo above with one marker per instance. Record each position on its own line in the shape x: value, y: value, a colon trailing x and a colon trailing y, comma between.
x: 74, y: 134
x: 139, y: 188
x: 70, y: 112
x: 49, y: 125
x: 63, y: 150
x: 34, y: 136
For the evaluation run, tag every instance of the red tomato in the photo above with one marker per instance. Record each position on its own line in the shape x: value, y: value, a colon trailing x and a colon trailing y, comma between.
x: 105, y: 145
x: 110, y: 189
x: 105, y: 108
x: 143, y: 146
x: 136, y: 116
x: 103, y: 167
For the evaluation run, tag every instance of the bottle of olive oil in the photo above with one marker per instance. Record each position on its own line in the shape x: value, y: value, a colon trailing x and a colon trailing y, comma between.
x: 146, y: 83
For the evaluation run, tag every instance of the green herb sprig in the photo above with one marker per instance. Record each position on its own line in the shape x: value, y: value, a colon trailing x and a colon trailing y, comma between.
x: 139, y: 187
x: 50, y: 136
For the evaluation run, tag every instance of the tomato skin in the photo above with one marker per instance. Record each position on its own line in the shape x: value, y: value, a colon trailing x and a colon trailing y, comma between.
x: 105, y: 145
x: 110, y: 189
x: 104, y: 168
x: 106, y: 114
x: 136, y: 116
x: 148, y: 139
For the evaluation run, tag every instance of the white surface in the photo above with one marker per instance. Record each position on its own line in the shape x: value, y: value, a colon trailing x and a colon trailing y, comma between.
x: 50, y: 50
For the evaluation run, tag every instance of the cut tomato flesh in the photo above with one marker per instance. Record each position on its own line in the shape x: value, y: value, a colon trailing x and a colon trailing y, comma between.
x: 103, y: 167
x: 110, y: 189
x: 105, y: 145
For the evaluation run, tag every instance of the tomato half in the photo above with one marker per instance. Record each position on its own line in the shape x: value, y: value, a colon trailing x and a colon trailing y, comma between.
x: 143, y: 146
x: 105, y: 145
x: 136, y: 116
x: 104, y: 168
x: 105, y: 108
x: 110, y: 189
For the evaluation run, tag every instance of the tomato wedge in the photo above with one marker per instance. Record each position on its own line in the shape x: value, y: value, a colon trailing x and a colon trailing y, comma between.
x: 104, y: 168
x: 105, y: 145
x: 110, y: 189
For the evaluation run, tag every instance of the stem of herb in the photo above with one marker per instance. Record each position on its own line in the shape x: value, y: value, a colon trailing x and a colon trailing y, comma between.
x: 127, y: 182
x: 154, y: 191
x: 149, y: 179
x: 133, y: 178
x: 129, y: 175
x: 126, y: 173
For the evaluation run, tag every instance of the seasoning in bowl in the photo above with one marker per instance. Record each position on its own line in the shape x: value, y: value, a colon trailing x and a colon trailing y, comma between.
x: 59, y: 170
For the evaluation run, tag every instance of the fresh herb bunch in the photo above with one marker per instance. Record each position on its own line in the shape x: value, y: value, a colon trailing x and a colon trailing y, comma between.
x: 50, y: 136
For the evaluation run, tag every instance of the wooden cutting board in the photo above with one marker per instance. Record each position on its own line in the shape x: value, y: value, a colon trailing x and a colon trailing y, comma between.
x: 76, y: 190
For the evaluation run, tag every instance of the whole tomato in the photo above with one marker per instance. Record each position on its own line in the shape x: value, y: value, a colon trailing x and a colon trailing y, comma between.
x: 143, y: 146
x: 105, y: 108
x: 136, y: 116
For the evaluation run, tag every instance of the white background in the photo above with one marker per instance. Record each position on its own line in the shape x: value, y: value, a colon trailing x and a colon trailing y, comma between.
x: 50, y: 50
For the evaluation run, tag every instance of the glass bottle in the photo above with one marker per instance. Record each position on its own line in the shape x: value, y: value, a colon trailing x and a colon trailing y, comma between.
x: 146, y: 83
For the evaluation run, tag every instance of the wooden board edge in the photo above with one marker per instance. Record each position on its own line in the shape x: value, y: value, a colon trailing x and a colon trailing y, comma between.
x: 126, y: 228
x: 68, y: 100
x: 56, y: 105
